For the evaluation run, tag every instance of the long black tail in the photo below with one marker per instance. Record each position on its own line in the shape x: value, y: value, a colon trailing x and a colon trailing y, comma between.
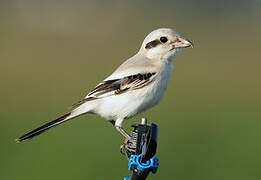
x: 43, y: 128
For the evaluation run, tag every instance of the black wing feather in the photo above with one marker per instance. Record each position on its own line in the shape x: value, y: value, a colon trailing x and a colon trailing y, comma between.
x: 118, y: 86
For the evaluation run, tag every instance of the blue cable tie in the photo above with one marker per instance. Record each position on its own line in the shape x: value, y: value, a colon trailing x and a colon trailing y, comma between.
x: 150, y: 165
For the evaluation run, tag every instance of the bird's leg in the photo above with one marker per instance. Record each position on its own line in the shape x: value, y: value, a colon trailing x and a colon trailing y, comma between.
x: 126, y: 135
x: 123, y: 132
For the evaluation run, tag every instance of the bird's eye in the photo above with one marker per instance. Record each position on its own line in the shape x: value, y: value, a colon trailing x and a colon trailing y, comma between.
x: 163, y: 39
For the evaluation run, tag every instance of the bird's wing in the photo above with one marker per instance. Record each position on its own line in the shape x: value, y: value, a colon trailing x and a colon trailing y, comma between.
x: 118, y: 86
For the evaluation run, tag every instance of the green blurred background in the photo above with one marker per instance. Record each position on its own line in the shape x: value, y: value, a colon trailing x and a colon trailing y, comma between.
x: 53, y: 52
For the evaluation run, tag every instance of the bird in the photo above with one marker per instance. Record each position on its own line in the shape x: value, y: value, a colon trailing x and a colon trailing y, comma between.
x: 137, y: 85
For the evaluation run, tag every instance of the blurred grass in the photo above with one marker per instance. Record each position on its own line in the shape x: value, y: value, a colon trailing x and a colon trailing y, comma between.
x: 52, y: 54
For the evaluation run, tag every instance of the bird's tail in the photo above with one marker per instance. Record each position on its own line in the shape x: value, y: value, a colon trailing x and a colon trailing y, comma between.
x: 48, y: 125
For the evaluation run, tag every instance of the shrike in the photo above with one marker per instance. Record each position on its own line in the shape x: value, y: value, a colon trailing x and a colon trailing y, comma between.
x: 137, y: 85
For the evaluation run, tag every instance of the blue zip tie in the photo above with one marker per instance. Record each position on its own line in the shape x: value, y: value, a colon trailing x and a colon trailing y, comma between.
x: 150, y: 165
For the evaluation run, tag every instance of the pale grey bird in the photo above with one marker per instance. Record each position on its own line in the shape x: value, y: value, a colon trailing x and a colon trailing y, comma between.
x: 137, y: 85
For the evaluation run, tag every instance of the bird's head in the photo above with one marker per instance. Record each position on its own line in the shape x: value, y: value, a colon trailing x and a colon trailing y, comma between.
x: 163, y: 44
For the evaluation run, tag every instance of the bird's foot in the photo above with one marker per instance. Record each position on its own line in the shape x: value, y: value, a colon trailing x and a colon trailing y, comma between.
x: 124, y: 146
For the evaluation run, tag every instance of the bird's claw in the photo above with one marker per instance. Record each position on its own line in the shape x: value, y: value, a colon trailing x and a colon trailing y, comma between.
x: 124, y: 146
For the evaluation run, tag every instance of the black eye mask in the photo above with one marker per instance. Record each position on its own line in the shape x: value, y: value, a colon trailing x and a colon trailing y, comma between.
x: 152, y: 44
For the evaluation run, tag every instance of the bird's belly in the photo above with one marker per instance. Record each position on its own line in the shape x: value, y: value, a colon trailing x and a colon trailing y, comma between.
x: 129, y: 104
x: 133, y: 102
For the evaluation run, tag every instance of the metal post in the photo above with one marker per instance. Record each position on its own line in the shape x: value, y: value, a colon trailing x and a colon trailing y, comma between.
x: 141, y: 149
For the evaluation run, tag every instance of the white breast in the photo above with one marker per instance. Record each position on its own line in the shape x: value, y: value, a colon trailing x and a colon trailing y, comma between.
x: 129, y: 104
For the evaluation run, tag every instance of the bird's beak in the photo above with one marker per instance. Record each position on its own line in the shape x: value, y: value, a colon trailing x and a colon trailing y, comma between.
x: 182, y: 43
